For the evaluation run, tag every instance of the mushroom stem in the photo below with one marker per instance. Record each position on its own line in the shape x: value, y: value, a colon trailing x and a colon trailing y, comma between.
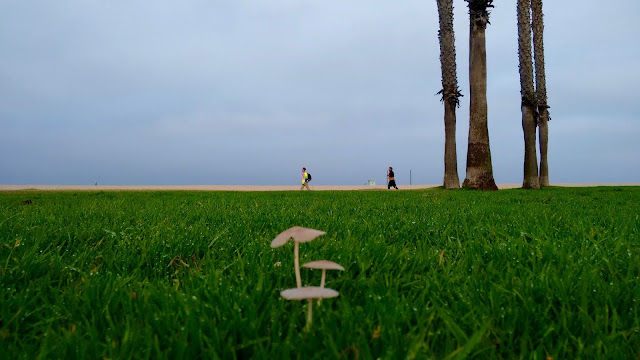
x: 324, y: 274
x: 297, y: 263
x: 309, y: 314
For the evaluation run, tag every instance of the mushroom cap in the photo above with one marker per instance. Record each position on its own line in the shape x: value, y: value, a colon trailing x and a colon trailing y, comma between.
x: 298, y: 233
x: 309, y: 292
x: 324, y: 265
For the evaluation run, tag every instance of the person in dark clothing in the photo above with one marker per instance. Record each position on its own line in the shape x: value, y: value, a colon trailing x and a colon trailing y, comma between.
x: 392, y: 181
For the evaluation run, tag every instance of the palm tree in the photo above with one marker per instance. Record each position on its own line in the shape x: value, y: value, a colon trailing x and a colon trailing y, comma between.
x: 479, y: 168
x: 450, y: 92
x: 528, y: 104
x: 541, y: 88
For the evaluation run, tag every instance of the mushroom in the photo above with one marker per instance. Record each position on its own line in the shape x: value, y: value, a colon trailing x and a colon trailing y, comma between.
x: 309, y: 293
x: 324, y: 265
x: 298, y: 234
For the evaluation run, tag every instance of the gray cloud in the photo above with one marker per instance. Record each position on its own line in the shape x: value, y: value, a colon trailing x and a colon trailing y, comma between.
x: 247, y: 92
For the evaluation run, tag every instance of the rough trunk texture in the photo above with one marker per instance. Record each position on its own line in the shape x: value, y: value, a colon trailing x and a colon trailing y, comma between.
x: 541, y: 88
x: 450, y: 92
x: 530, y: 157
x: 543, y: 128
x: 479, y: 168
x: 527, y: 91
x: 451, y: 180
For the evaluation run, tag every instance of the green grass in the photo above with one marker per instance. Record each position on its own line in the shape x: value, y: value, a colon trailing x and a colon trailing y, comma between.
x: 428, y: 274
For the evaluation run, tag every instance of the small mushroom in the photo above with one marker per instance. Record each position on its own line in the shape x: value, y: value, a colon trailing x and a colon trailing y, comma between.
x: 298, y: 234
x: 309, y: 293
x: 324, y: 265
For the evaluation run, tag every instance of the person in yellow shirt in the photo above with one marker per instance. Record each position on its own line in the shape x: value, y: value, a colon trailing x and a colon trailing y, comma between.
x: 305, y: 179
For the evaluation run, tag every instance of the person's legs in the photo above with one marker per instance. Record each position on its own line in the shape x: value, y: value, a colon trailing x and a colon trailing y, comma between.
x: 307, y: 185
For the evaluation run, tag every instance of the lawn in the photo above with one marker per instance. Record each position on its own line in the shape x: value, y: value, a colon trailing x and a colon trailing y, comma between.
x: 428, y: 274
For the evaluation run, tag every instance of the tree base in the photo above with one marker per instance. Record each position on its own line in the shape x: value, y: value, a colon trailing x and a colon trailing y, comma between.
x: 533, y: 184
x: 544, y: 181
x: 451, y: 184
x: 484, y: 184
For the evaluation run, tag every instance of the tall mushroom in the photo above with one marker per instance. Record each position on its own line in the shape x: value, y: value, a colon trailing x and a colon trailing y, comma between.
x: 309, y: 293
x: 298, y: 234
x: 324, y: 265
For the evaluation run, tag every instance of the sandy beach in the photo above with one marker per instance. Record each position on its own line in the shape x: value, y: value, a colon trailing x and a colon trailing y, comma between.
x: 256, y: 187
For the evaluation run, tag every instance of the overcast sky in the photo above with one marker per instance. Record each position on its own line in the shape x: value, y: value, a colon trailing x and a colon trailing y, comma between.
x: 249, y: 91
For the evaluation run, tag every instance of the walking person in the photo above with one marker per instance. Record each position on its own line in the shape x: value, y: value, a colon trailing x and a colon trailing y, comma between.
x: 392, y: 181
x: 305, y: 179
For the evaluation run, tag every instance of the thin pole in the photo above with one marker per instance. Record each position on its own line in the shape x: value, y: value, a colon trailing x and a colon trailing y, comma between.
x: 409, y: 177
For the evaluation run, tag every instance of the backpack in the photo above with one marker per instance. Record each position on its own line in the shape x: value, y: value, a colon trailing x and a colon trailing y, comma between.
x: 308, y: 177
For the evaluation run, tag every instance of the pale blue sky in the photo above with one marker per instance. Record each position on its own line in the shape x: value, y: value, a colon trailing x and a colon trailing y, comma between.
x: 249, y: 91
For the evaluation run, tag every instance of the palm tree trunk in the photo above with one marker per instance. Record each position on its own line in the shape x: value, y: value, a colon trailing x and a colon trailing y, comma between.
x: 543, y: 128
x: 541, y: 88
x: 451, y: 180
x: 479, y: 168
x: 450, y: 92
x: 528, y: 96
x: 530, y: 157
